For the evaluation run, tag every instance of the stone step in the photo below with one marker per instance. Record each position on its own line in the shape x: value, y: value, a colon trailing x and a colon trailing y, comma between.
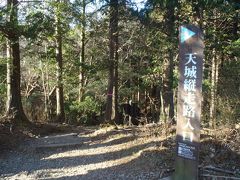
x: 59, y: 141
x: 57, y: 146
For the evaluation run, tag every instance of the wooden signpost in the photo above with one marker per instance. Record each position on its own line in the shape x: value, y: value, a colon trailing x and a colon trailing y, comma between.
x: 189, y: 102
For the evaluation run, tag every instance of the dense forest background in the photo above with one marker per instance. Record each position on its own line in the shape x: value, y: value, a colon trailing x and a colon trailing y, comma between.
x: 85, y: 62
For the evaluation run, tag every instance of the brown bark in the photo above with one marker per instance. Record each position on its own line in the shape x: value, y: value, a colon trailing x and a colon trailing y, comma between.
x: 9, y: 73
x: 111, y: 109
x: 45, y: 91
x: 235, y: 25
x: 168, y: 99
x: 82, y: 56
x: 60, y: 114
x: 115, y: 116
x: 214, y: 84
x: 214, y: 80
x: 14, y: 109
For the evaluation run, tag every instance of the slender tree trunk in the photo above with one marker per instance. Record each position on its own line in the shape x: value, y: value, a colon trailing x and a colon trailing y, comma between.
x: 162, y: 113
x: 152, y: 102
x: 212, y: 100
x: 171, y: 94
x: 111, y: 109
x: 108, y: 112
x: 235, y: 25
x: 82, y: 56
x: 197, y: 13
x: 46, y: 108
x: 214, y: 77
x: 168, y: 99
x: 9, y: 73
x: 214, y: 84
x: 14, y: 106
x: 115, y: 94
x: 145, y: 103
x: 115, y: 115
x: 48, y: 94
x: 59, y: 87
x: 60, y: 114
x: 138, y: 93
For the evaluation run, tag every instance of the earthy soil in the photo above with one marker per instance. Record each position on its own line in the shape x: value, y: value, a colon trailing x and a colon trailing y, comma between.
x: 67, y: 152
x: 12, y: 136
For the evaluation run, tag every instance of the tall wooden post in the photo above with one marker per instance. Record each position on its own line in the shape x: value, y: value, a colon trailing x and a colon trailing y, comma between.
x: 189, y: 102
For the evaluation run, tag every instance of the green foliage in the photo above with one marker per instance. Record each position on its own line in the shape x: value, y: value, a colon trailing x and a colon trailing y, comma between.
x: 145, y: 40
x: 37, y: 24
x: 3, y: 94
x: 234, y: 48
x: 3, y: 87
x: 206, y: 85
x: 83, y: 112
x: 228, y: 110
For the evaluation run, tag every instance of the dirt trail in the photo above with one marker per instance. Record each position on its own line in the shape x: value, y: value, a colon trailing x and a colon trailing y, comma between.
x: 94, y: 154
x: 136, y: 153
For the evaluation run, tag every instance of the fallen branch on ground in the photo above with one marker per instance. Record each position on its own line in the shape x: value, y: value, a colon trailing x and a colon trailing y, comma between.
x: 222, y: 177
x: 218, y: 169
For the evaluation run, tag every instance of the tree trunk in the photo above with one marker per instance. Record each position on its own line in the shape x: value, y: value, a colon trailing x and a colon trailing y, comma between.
x: 115, y: 115
x: 50, y: 113
x: 60, y: 114
x: 111, y: 109
x: 14, y: 109
x: 235, y: 25
x: 82, y: 56
x: 162, y: 113
x: 214, y: 78
x: 214, y: 83
x: 9, y: 74
x: 168, y: 99
x: 108, y: 112
x: 197, y: 13
x: 46, y: 102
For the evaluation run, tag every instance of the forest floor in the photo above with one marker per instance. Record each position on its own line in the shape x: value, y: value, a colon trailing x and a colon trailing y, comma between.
x: 141, y: 153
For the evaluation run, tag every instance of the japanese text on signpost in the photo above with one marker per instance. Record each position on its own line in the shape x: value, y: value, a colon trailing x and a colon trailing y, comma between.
x: 189, y: 101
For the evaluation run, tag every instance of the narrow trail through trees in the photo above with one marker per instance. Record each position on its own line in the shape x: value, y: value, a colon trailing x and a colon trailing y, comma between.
x: 114, y: 153
x: 98, y: 154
